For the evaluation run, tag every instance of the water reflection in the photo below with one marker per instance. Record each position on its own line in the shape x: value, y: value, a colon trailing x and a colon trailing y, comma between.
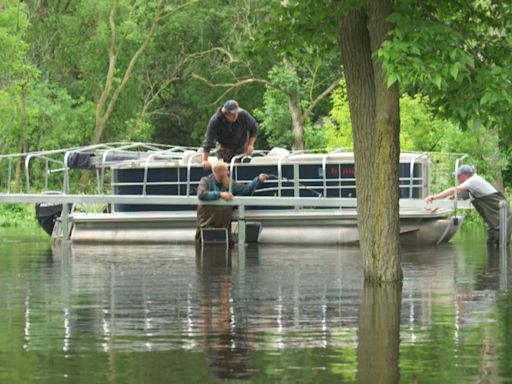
x: 379, y: 334
x: 264, y: 314
x: 228, y: 337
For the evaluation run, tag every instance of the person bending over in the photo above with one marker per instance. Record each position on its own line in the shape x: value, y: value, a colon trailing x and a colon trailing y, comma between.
x: 484, y: 197
x: 234, y: 130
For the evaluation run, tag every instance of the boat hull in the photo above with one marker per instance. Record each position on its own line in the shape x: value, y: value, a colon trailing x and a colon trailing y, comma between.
x: 287, y: 227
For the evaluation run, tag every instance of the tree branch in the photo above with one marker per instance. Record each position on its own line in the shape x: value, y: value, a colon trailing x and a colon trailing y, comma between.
x: 111, y: 62
x: 232, y: 85
x: 321, y: 96
x: 178, y: 8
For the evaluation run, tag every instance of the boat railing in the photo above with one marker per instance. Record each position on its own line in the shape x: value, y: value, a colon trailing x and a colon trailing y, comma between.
x: 148, y: 160
x: 411, y: 173
x: 48, y: 159
x: 57, y: 162
x: 231, y: 168
x: 105, y: 162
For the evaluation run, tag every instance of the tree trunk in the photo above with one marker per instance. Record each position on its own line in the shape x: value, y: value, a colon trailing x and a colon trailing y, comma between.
x: 387, y: 126
x: 374, y: 111
x: 379, y: 334
x: 297, y: 123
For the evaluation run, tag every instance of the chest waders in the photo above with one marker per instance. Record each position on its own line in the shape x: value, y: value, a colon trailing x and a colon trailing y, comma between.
x: 489, y: 208
x: 213, y: 216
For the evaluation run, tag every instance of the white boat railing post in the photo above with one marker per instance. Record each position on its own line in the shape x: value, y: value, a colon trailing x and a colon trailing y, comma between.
x: 324, y: 173
x: 66, y: 172
x: 503, y: 271
x: 27, y: 173
x: 456, y: 180
x: 46, y: 173
x: 231, y: 170
x: 241, y: 225
x: 189, y: 170
x: 65, y: 222
x: 503, y: 225
x: 296, y: 186
x: 411, y: 173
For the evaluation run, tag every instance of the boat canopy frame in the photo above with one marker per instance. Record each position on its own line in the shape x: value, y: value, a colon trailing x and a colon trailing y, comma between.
x: 107, y: 157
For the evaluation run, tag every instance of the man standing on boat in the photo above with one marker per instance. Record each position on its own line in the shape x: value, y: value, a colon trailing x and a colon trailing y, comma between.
x: 216, y: 186
x: 234, y: 130
x: 484, y: 197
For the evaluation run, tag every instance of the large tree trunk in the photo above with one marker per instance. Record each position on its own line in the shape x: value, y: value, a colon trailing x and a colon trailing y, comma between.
x: 374, y: 111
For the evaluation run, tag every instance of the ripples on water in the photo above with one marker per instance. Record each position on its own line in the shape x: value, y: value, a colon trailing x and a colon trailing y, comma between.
x: 170, y: 313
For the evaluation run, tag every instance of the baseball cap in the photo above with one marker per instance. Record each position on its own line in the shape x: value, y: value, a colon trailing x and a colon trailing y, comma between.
x: 231, y: 106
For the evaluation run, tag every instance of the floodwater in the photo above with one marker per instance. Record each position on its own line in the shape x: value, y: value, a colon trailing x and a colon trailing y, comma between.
x: 271, y: 314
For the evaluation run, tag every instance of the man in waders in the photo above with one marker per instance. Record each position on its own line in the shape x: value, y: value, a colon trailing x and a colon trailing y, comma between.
x: 484, y: 197
x: 216, y: 186
x: 234, y: 130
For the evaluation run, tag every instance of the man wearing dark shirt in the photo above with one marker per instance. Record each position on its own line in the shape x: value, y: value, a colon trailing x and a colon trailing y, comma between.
x: 234, y: 130
x: 216, y: 186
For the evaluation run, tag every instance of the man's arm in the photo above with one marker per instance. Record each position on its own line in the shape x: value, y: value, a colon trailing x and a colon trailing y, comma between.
x: 247, y: 189
x: 204, y: 161
x: 446, y: 193
x: 208, y: 142
x: 250, y: 145
x: 252, y: 126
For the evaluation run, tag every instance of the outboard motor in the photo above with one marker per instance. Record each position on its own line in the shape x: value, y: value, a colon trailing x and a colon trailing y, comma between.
x: 48, y: 213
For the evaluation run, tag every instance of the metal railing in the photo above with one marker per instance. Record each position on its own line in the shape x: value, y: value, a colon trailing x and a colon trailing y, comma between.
x: 56, y: 162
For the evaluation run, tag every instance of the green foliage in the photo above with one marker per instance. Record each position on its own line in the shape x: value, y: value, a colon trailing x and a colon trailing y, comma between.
x: 472, y: 220
x: 17, y: 215
x: 56, y: 120
x: 13, y: 24
x: 457, y: 53
x: 338, y: 128
x: 275, y: 119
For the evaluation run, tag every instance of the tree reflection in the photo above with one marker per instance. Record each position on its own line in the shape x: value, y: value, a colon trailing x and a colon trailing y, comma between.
x: 379, y: 334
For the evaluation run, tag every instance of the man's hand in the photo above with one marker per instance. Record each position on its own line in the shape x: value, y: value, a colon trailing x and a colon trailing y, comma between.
x: 430, y: 198
x: 226, y: 196
x: 250, y: 150
x: 206, y: 165
x: 262, y: 177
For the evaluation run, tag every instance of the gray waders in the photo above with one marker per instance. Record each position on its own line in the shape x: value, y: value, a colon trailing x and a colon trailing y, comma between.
x: 488, y: 208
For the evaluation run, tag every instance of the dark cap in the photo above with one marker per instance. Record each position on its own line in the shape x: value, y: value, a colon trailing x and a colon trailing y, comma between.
x: 464, y: 170
x: 231, y: 106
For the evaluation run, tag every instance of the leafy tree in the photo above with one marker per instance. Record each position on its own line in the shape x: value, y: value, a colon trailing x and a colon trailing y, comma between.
x: 17, y: 76
x: 457, y: 53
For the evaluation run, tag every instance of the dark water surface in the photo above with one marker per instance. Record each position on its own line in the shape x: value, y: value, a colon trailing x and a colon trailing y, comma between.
x: 272, y: 314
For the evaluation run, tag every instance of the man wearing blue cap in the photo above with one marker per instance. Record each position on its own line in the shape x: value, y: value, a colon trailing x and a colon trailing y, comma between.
x: 234, y: 130
x: 484, y: 197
